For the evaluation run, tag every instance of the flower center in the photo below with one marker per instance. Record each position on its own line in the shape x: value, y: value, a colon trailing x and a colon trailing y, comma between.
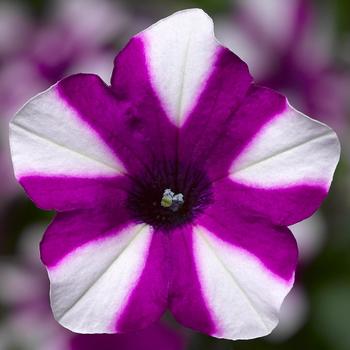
x: 168, y: 195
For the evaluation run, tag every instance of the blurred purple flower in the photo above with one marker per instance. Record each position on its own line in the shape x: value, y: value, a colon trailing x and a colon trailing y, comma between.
x: 63, y: 40
x: 14, y: 22
x: 44, y: 53
x: 288, y: 47
x: 30, y: 324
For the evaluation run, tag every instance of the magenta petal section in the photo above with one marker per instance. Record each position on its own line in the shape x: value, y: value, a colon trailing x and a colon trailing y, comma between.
x: 158, y: 336
x: 64, y: 193
x: 134, y: 131
x: 281, y: 206
x: 71, y: 230
x: 152, y: 131
x: 241, y: 226
x: 148, y: 300
x: 230, y: 130
x: 222, y: 94
x: 186, y: 301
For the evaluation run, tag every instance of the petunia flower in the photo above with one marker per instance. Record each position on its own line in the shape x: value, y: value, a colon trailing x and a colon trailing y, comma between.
x: 174, y: 186
x: 100, y: 23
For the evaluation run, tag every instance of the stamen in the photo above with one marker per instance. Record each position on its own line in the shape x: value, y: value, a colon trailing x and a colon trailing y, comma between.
x: 167, y: 198
x: 171, y: 200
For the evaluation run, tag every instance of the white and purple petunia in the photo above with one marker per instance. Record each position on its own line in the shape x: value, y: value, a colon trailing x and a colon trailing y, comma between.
x: 174, y: 186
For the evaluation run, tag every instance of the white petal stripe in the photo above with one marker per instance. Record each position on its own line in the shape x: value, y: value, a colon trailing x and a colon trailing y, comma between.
x: 90, y: 287
x: 292, y: 149
x: 180, y: 51
x: 49, y: 138
x: 242, y: 295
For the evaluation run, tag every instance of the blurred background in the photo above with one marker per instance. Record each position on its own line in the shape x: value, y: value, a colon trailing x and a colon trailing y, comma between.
x: 299, y: 47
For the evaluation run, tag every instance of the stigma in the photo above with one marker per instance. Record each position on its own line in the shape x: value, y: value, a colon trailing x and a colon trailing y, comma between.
x: 171, y: 200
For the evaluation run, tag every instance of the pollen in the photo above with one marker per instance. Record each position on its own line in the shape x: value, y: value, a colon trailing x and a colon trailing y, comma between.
x: 171, y: 200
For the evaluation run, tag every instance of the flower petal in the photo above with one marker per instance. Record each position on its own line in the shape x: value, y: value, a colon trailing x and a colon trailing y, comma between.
x: 226, y: 140
x: 231, y: 283
x: 146, y: 126
x: 149, y: 298
x: 71, y: 230
x: 245, y: 265
x: 186, y: 300
x: 291, y: 149
x: 281, y: 206
x: 273, y: 245
x: 49, y: 138
x: 242, y: 295
x: 91, y: 285
x: 59, y: 160
x: 286, y: 170
x: 179, y: 51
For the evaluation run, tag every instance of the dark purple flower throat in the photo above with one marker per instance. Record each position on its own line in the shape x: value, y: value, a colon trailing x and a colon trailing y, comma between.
x: 148, y: 199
